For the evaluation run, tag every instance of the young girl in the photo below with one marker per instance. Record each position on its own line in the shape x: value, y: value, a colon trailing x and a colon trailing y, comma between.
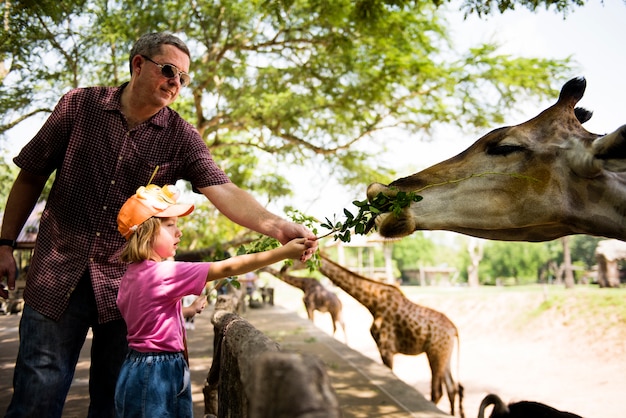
x: 154, y: 380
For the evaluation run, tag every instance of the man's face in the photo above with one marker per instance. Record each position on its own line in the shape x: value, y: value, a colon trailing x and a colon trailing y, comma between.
x: 159, y: 89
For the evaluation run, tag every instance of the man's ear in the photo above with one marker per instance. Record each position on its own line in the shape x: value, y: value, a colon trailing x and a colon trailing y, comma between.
x: 136, y: 64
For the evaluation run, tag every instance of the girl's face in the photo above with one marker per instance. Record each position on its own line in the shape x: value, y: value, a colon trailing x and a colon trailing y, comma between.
x: 167, y: 240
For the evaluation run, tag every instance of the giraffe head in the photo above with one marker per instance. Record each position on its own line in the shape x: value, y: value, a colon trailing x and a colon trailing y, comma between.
x: 540, y: 180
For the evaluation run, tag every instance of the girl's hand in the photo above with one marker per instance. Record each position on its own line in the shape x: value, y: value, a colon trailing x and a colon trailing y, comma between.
x: 291, y: 231
x: 296, y: 248
x: 311, y: 247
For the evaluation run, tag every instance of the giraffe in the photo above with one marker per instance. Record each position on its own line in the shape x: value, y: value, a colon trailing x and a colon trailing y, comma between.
x: 401, y: 326
x: 316, y: 297
x: 540, y: 180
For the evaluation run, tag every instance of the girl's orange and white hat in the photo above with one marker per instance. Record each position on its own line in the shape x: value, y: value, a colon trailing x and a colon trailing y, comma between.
x: 150, y: 201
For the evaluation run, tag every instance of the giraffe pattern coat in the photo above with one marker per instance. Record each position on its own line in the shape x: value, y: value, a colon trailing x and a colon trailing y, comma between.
x: 403, y: 327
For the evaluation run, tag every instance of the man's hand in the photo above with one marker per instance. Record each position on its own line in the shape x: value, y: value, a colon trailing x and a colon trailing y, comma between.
x: 8, y: 269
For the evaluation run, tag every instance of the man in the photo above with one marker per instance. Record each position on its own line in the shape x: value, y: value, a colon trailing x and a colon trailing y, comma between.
x: 103, y: 144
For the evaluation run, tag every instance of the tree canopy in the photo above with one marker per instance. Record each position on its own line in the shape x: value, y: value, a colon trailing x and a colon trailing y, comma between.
x: 278, y: 82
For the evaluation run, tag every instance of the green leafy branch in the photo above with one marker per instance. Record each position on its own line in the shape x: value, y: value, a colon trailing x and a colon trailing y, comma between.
x: 363, y: 222
x: 228, y: 281
x: 264, y: 243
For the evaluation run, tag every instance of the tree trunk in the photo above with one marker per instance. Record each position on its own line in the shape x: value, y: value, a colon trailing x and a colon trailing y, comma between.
x: 475, y: 248
x: 567, y: 264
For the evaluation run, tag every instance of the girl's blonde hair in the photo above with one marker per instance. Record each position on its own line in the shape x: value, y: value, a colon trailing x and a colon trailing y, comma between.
x: 140, y: 243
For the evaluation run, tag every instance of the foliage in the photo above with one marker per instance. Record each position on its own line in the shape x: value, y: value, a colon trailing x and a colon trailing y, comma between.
x: 7, y: 175
x: 482, y: 7
x: 364, y: 220
x: 417, y: 250
x: 207, y: 228
x: 516, y: 261
x: 292, y: 79
x: 265, y: 243
x: 274, y: 83
x: 414, y: 251
x: 583, y: 249
x: 367, y: 10
x: 520, y: 262
x: 592, y: 306
x: 360, y: 224
x: 230, y: 281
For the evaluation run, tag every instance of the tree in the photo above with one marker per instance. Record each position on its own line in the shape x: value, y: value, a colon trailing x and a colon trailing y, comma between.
x: 567, y: 262
x: 368, y: 9
x: 482, y: 7
x: 475, y: 249
x: 275, y: 82
x: 413, y: 251
x: 516, y: 261
x: 583, y: 248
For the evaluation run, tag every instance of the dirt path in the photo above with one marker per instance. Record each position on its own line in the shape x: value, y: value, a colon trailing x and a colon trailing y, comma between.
x: 546, y: 359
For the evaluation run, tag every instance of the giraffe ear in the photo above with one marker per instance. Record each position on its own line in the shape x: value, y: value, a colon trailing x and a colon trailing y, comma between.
x: 611, y: 150
x: 581, y: 160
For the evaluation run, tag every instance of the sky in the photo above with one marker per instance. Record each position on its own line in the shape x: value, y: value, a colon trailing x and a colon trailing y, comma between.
x: 593, y: 35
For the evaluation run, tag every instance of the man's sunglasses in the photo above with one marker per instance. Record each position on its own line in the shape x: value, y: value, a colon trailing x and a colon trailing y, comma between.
x: 171, y: 71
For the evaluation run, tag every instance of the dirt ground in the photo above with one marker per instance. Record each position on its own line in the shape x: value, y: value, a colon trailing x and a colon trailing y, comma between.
x: 550, y: 359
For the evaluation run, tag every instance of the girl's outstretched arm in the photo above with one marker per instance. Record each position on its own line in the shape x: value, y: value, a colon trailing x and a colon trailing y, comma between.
x: 242, y: 264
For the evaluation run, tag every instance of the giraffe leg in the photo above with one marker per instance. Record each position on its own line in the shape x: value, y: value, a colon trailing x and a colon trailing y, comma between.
x: 332, y: 318
x: 436, y: 384
x: 309, y: 309
x: 451, y: 390
x: 338, y: 319
x: 436, y: 390
x: 383, y: 341
x: 387, y: 359
x: 343, y: 327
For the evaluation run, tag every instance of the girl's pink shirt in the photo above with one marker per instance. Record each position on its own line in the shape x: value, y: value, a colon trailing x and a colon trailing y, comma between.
x: 149, y: 299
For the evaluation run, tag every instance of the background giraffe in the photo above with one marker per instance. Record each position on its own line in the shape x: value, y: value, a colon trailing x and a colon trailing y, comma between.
x: 401, y: 326
x: 316, y: 296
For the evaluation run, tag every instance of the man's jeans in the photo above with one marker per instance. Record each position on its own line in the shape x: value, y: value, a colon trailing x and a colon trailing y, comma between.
x: 49, y: 351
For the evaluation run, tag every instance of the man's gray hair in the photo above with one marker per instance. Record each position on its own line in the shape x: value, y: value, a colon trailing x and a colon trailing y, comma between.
x: 150, y: 45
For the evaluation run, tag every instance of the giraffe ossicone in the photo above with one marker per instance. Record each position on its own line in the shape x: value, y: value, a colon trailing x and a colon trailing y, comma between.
x: 537, y: 181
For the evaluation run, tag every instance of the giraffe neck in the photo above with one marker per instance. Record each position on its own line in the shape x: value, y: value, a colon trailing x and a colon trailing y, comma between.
x: 605, y: 207
x: 302, y: 283
x: 368, y: 292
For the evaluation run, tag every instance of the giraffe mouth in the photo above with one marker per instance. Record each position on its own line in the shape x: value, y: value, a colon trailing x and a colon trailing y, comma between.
x: 390, y: 225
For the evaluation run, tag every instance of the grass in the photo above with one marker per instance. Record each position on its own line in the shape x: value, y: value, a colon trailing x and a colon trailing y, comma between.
x: 590, y: 306
x: 584, y: 309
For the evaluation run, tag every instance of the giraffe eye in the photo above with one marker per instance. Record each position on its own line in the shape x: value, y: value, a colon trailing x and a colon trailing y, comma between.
x: 504, y: 149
